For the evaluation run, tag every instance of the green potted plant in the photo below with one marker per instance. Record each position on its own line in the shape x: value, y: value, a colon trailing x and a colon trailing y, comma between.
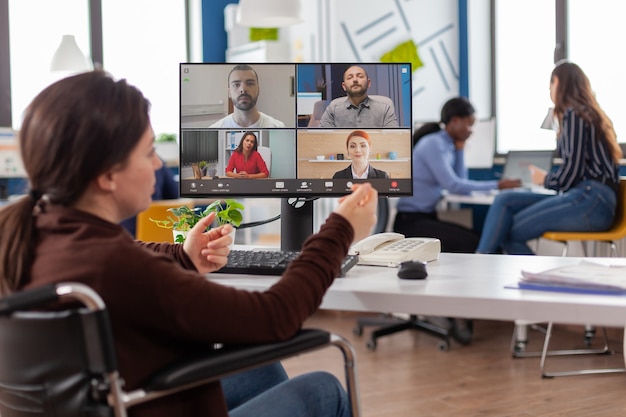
x: 183, y: 218
x: 227, y: 211
x: 203, y: 166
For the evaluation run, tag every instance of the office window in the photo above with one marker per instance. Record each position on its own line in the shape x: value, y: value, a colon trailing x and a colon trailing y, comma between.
x: 144, y: 41
x: 524, y: 54
x: 36, y: 29
x: 593, y: 27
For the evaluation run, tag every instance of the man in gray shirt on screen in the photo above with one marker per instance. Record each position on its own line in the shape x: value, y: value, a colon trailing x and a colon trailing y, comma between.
x: 358, y: 109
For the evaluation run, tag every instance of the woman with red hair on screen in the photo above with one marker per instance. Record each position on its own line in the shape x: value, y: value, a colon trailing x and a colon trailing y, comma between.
x: 359, y: 146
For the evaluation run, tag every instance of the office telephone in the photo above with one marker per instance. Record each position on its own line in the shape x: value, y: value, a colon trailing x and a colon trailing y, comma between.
x: 391, y: 249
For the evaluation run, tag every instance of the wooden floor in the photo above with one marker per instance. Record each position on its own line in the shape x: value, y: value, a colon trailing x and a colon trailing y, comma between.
x: 407, y: 375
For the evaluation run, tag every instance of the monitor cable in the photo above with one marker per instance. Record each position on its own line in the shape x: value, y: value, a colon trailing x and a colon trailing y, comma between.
x: 295, y: 202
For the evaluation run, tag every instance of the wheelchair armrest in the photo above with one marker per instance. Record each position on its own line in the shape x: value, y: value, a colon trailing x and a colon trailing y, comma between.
x: 28, y: 299
x: 38, y: 297
x: 228, y: 360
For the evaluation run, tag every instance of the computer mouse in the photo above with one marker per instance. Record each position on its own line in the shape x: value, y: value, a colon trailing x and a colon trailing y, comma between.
x: 412, y: 270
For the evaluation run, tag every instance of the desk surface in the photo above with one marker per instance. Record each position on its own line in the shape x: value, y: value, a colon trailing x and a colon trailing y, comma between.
x: 486, y: 197
x: 479, y: 198
x: 461, y: 285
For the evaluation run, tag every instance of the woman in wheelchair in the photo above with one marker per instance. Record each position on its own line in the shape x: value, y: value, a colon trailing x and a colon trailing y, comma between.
x: 88, y: 148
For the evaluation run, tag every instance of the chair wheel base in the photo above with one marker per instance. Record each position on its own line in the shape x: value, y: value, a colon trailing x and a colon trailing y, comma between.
x: 443, y: 346
x: 390, y: 325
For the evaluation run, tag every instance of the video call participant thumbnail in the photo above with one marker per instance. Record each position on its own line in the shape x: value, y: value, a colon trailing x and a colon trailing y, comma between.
x: 244, y: 90
x: 246, y: 161
x: 359, y: 146
x: 358, y: 109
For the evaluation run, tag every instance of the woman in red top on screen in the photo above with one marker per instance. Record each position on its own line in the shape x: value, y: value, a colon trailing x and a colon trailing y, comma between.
x: 246, y: 162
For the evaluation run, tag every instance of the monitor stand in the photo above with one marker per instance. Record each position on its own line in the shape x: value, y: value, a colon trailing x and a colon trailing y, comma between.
x: 296, y: 223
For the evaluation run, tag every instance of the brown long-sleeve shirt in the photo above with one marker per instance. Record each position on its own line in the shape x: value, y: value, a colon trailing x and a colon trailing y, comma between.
x: 161, y: 311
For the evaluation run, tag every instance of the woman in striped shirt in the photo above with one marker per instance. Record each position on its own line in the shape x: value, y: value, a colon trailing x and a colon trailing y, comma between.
x: 586, y: 182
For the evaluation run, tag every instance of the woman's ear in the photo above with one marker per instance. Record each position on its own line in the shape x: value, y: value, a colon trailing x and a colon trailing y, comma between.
x: 107, y: 181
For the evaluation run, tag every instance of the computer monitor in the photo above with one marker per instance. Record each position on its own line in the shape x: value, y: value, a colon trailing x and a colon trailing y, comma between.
x: 306, y: 102
x: 298, y: 160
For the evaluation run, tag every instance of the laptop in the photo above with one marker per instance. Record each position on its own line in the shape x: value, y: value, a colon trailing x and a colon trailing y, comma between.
x: 517, y: 163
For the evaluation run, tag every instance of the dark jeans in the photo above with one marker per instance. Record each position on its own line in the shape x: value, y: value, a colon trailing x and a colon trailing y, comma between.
x: 516, y: 217
x: 268, y: 392
x: 454, y: 238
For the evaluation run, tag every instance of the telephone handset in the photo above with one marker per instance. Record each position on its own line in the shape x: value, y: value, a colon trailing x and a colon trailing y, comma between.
x: 391, y: 249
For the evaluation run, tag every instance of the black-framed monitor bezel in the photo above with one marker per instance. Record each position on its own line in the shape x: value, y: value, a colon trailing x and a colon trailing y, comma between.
x: 291, y: 187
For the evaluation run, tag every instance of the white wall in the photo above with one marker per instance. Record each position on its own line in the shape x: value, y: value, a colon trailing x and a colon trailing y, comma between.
x: 357, y: 31
x: 365, y: 33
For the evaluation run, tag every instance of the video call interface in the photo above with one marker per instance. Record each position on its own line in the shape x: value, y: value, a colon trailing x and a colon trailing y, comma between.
x: 309, y: 139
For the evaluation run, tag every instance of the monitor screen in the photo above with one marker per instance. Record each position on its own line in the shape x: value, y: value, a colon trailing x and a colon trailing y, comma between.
x: 304, y: 136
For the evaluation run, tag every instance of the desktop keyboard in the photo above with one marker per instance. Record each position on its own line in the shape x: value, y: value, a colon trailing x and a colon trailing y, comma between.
x: 268, y: 262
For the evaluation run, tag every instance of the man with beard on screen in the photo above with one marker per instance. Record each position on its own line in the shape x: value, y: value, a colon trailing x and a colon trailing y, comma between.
x: 243, y: 90
x: 358, y: 109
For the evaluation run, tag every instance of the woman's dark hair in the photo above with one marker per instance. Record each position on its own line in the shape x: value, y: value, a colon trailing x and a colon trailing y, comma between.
x: 73, y: 131
x: 455, y: 107
x: 425, y: 129
x: 574, y: 91
x: 240, y: 146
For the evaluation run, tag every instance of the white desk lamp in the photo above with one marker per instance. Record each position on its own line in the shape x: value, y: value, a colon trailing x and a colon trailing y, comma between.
x: 548, y: 122
x: 68, y: 57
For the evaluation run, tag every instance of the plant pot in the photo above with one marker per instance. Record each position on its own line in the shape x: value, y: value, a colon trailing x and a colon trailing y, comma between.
x: 177, y: 233
x: 183, y: 233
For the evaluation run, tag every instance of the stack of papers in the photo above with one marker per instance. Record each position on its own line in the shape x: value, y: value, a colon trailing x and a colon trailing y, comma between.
x: 585, y: 277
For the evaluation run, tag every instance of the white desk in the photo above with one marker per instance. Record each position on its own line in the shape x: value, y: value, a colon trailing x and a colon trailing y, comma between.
x: 484, y: 198
x: 461, y: 285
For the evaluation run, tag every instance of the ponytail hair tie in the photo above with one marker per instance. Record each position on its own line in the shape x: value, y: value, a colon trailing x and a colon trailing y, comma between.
x: 36, y: 198
x: 35, y: 195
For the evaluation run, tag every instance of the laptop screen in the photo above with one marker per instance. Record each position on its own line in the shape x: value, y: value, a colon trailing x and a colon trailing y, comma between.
x: 517, y: 163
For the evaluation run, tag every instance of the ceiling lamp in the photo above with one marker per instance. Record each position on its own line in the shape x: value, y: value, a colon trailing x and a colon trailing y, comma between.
x: 69, y: 57
x: 268, y: 13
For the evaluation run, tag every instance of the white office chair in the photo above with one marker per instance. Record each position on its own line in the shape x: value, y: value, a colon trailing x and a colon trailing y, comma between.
x: 266, y: 154
x: 318, y: 110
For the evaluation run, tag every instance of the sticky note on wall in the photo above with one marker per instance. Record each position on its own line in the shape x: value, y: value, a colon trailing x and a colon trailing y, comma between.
x: 404, y: 52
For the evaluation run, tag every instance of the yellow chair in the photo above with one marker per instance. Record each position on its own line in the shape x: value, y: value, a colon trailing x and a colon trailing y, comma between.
x: 611, y: 236
x: 148, y: 231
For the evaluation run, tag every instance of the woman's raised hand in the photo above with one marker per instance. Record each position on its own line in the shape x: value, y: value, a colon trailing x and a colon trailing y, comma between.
x: 360, y: 209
